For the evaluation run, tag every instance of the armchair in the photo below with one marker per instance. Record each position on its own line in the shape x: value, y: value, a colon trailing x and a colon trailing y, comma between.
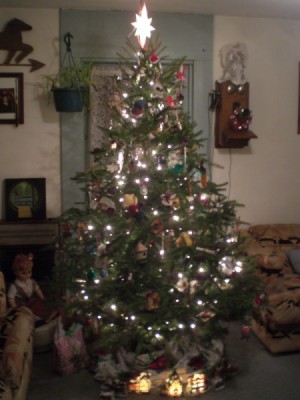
x: 16, y: 328
x: 276, y: 249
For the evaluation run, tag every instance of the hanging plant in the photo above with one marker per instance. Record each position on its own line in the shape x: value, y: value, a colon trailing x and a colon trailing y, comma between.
x: 71, y: 85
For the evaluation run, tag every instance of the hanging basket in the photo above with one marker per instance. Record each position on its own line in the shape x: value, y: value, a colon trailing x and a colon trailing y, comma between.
x: 69, y: 99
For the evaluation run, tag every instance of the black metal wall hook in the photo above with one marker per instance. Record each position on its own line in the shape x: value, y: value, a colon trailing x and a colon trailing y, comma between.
x: 68, y: 54
x: 67, y: 39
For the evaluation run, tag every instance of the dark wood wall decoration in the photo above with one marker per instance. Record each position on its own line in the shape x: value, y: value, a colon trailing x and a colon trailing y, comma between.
x: 25, y: 198
x: 231, y: 96
x: 11, y: 41
x: 11, y: 98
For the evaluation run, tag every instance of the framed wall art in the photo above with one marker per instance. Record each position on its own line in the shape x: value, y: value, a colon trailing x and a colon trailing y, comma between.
x: 25, y: 199
x: 11, y: 98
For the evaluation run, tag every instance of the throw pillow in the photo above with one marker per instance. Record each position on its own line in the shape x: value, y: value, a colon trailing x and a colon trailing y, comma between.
x: 294, y: 259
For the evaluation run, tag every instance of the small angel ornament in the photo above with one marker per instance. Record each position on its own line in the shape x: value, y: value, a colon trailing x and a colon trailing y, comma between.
x: 233, y: 61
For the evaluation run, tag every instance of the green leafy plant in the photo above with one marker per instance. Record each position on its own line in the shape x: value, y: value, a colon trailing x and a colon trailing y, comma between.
x: 77, y: 76
x: 73, y: 76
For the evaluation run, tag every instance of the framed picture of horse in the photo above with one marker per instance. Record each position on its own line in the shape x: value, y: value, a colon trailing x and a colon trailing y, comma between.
x: 11, y: 98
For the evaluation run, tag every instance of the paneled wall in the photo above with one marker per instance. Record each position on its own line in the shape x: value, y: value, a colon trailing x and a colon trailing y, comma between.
x: 100, y: 36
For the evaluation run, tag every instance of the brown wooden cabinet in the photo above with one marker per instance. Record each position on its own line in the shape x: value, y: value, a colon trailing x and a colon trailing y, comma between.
x: 230, y: 96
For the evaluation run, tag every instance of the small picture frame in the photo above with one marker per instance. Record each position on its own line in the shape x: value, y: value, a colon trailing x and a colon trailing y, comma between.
x: 11, y: 98
x: 25, y: 199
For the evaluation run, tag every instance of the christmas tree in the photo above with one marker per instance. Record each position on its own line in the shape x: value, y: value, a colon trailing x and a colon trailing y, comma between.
x: 154, y: 254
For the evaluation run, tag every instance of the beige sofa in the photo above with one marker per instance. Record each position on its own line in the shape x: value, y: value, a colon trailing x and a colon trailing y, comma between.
x: 16, y: 328
x: 276, y: 250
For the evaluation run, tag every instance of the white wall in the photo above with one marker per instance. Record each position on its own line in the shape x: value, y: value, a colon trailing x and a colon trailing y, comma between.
x: 33, y: 148
x: 265, y: 176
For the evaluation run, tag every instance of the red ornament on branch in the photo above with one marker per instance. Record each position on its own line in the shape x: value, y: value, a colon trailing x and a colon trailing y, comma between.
x: 154, y: 58
x: 170, y: 101
x: 180, y: 74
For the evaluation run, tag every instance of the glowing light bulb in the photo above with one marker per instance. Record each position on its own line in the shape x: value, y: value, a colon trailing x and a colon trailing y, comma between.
x: 120, y: 160
x: 230, y: 240
x: 238, y: 269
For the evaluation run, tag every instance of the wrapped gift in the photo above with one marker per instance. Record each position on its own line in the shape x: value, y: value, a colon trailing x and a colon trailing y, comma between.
x: 70, y: 353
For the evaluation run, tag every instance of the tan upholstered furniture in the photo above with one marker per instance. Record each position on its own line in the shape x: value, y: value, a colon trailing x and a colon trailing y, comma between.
x: 276, y: 248
x: 16, y: 327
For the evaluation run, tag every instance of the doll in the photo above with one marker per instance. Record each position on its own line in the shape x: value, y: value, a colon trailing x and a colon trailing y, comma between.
x: 24, y: 290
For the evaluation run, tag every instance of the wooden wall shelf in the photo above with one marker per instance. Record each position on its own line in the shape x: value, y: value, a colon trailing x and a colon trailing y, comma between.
x: 236, y: 139
x: 227, y: 101
x: 28, y: 233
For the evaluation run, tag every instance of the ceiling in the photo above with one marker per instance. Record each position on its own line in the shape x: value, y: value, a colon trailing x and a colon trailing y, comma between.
x: 287, y: 9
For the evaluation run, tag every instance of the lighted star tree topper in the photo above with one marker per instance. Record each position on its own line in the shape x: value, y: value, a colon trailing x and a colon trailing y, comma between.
x: 142, y: 25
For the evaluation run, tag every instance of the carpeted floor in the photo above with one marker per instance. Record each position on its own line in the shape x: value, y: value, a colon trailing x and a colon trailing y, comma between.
x: 261, y: 376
